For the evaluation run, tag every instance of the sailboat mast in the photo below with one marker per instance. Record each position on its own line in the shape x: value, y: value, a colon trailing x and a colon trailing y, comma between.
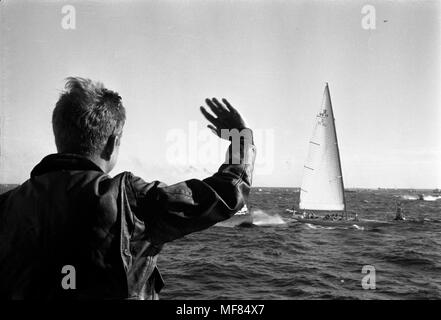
x: 336, y: 144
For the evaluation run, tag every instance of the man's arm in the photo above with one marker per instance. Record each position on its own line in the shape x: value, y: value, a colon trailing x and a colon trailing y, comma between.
x: 170, y: 212
x: 3, y: 198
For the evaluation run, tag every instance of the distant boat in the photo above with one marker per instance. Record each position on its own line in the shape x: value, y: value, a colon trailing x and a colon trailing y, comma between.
x: 322, y: 196
x: 247, y: 217
x: 242, y: 211
x: 241, y: 218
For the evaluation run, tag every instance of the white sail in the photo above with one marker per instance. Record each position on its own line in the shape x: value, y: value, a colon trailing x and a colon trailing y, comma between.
x: 322, y: 184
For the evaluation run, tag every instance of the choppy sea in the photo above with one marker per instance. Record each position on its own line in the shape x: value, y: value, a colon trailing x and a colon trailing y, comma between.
x: 285, y: 259
x: 280, y: 258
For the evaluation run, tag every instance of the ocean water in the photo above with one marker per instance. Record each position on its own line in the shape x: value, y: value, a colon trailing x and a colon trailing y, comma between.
x: 291, y: 260
x: 283, y: 259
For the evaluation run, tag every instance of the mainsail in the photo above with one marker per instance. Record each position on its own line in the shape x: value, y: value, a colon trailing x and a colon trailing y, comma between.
x: 322, y: 184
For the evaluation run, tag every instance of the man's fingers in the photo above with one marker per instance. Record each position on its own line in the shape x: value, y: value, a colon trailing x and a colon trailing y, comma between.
x: 212, y: 128
x: 213, y: 107
x: 225, y: 116
x: 219, y: 105
x: 229, y: 106
x: 208, y: 116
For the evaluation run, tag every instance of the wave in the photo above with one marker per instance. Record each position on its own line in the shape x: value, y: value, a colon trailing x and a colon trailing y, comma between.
x: 409, y: 197
x: 431, y: 198
x: 420, y: 197
x: 261, y: 218
x: 254, y: 218
x: 312, y: 226
x: 315, y: 227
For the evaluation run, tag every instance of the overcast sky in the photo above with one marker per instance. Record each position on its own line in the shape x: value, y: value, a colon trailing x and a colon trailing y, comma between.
x: 271, y: 59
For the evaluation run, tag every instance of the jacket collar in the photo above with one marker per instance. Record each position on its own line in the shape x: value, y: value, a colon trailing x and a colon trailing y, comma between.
x: 64, y: 161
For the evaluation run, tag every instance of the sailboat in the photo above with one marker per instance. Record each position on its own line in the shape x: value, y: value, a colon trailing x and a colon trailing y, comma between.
x: 322, y: 196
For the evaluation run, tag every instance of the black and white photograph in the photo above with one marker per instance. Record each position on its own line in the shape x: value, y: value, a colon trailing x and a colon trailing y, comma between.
x: 220, y: 151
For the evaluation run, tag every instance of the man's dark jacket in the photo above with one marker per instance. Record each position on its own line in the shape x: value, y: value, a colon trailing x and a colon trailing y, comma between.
x: 110, y: 230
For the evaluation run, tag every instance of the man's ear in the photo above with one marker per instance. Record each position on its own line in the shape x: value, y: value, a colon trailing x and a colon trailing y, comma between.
x: 110, y: 146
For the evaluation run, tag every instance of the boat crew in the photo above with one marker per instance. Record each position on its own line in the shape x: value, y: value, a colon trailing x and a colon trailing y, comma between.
x: 399, y: 213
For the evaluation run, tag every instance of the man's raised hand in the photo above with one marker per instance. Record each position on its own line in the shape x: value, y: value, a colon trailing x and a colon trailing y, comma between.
x: 226, y: 117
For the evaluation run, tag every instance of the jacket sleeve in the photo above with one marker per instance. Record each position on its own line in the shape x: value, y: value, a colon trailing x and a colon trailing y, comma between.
x: 171, y: 212
x: 3, y: 198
